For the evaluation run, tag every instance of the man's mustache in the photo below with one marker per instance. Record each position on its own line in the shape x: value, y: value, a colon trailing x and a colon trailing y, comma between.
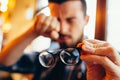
x: 63, y: 35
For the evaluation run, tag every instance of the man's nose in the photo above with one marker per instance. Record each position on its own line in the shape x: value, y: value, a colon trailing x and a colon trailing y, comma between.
x: 64, y: 28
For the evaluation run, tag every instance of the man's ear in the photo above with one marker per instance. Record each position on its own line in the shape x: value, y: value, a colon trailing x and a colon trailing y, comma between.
x: 86, y: 20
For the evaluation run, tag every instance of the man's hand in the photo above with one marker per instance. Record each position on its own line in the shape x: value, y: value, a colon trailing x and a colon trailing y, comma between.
x: 102, y: 60
x: 47, y: 26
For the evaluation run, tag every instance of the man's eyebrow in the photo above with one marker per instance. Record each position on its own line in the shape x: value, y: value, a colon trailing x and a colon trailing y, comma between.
x: 69, y: 18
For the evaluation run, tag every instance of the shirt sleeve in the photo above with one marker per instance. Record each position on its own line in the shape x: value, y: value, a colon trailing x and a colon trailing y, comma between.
x: 24, y: 65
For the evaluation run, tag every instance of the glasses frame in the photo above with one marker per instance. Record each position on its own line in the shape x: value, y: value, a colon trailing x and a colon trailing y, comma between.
x: 56, y: 54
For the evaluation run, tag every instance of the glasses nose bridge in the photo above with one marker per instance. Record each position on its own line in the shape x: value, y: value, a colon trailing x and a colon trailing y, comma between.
x: 64, y: 27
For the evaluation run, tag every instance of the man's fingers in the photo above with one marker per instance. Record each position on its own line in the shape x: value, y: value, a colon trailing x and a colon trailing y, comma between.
x: 102, y: 49
x: 92, y: 41
x: 39, y: 22
x: 45, y: 25
x: 54, y: 35
x: 55, y: 25
x: 102, y: 60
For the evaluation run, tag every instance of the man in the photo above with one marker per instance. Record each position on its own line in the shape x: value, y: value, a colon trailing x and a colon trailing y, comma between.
x: 66, y: 26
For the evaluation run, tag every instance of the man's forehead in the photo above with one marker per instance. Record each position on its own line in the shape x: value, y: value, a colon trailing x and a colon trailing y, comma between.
x: 66, y: 8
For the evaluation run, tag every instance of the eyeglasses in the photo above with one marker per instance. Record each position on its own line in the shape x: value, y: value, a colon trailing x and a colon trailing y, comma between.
x: 69, y: 56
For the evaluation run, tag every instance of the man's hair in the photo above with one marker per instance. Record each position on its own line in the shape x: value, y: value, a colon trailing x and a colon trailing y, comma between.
x: 84, y: 6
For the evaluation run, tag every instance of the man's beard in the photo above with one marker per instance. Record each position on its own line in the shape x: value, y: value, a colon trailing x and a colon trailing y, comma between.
x: 63, y: 45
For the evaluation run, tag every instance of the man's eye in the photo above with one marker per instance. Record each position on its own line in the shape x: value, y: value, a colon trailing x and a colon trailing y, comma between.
x: 70, y: 20
x: 58, y: 19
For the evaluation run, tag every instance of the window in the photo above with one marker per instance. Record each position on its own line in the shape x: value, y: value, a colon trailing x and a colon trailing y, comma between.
x: 113, y: 23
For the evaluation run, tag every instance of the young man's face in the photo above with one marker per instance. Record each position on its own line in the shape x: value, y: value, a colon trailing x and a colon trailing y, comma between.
x: 72, y: 21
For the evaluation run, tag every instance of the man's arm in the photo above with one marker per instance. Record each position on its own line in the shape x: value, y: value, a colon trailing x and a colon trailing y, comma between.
x: 13, y: 51
x: 44, y: 25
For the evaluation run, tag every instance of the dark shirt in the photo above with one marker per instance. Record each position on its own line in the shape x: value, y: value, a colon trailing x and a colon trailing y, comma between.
x: 29, y: 63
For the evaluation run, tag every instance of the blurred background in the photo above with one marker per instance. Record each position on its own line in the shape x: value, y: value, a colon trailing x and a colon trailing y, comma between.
x: 17, y: 15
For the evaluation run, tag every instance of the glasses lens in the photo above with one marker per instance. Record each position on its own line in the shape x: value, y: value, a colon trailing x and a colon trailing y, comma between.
x: 46, y: 59
x: 70, y: 56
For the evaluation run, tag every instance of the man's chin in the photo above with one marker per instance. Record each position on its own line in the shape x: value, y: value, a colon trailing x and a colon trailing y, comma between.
x: 66, y: 43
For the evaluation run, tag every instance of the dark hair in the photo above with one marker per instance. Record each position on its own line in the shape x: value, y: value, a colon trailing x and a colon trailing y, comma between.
x: 84, y: 6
